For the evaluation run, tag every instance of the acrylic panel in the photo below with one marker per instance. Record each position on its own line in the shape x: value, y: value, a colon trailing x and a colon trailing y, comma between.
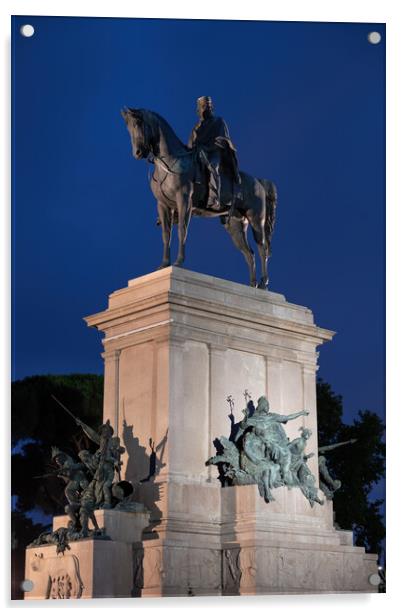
x: 112, y: 168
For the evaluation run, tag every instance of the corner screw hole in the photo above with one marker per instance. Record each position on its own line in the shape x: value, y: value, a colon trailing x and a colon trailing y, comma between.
x: 27, y: 585
x: 27, y: 30
x: 374, y: 38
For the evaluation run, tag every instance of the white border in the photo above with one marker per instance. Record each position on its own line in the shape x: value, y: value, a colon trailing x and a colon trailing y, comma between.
x: 285, y: 10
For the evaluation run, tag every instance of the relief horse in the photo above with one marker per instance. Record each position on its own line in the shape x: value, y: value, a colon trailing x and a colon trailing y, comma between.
x: 180, y: 195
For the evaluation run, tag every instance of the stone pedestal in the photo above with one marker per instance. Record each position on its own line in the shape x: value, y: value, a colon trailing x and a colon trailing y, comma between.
x: 176, y: 344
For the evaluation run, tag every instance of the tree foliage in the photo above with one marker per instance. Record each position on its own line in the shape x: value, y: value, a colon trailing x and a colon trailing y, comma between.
x: 35, y: 415
x: 359, y: 466
x: 38, y: 423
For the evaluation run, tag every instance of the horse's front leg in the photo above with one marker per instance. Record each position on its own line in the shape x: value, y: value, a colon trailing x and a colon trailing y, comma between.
x: 165, y: 217
x: 184, y: 215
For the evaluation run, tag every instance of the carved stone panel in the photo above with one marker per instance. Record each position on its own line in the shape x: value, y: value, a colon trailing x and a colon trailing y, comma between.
x: 231, y: 571
x: 176, y: 568
x: 138, y: 569
x: 355, y: 577
x: 204, y: 569
x: 329, y: 571
x: 296, y: 569
x: 186, y: 570
x: 154, y: 571
x: 248, y: 568
x: 62, y: 573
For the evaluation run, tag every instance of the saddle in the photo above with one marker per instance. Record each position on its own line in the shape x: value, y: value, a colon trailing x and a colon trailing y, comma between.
x: 230, y: 179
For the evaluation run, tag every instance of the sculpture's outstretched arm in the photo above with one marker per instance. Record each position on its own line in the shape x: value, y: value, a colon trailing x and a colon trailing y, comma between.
x: 285, y: 418
x: 336, y: 445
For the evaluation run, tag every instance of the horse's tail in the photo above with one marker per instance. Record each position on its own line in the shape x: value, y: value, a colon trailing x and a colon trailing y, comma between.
x: 271, y: 199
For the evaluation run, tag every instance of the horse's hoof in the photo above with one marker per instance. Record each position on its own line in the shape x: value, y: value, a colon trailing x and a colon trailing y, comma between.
x: 163, y: 265
x: 262, y: 284
x: 178, y: 264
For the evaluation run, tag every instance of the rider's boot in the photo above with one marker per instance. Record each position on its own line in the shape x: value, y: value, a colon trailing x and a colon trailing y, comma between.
x: 214, y: 188
x: 214, y: 201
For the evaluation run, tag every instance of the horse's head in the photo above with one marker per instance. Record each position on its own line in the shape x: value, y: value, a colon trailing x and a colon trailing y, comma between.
x: 142, y: 131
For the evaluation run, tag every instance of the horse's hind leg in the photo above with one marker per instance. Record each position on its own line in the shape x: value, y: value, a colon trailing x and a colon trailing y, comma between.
x: 184, y: 216
x: 260, y: 240
x: 237, y: 230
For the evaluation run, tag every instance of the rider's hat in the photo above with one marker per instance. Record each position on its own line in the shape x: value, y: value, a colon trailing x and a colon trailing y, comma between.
x: 204, y: 99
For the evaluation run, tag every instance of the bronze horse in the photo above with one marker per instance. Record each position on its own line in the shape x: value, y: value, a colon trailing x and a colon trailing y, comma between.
x: 179, y: 195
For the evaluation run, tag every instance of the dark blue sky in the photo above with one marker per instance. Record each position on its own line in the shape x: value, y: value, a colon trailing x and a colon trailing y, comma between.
x: 305, y: 107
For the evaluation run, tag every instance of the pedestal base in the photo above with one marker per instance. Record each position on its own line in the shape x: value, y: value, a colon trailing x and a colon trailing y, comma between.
x: 236, y: 544
x: 91, y: 568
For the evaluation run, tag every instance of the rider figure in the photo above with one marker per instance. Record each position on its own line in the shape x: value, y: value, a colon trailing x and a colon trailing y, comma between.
x: 211, y: 136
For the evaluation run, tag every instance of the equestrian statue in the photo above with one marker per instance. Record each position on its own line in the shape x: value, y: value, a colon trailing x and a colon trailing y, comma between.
x: 203, y: 179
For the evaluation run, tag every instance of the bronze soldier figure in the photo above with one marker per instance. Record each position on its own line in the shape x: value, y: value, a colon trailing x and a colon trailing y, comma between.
x: 328, y: 484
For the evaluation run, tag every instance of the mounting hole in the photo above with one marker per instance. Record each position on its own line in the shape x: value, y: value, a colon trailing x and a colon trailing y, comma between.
x: 27, y: 30
x: 374, y: 579
x: 374, y: 38
x: 27, y: 585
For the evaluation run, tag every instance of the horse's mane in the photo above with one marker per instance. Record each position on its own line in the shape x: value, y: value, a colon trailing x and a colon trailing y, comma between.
x: 147, y: 112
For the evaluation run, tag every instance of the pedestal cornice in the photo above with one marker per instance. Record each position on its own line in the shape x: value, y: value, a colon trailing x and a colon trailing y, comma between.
x: 185, y: 299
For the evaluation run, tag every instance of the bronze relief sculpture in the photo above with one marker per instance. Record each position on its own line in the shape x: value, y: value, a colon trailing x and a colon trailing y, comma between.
x: 258, y: 451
